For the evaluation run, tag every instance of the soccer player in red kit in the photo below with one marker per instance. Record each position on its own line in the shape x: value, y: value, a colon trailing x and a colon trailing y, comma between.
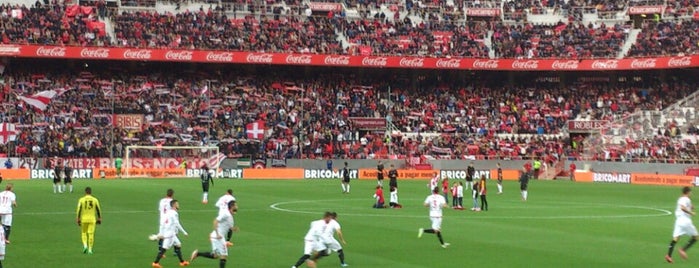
x: 379, y: 197
x: 572, y: 171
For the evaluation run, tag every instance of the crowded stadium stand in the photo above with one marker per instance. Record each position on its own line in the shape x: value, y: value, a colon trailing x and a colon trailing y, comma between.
x: 365, y: 79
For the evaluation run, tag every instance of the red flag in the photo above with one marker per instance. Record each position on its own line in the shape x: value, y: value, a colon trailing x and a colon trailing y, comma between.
x: 255, y: 130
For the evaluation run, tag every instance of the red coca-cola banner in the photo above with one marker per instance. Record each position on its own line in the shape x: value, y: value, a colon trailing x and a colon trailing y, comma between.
x: 32, y: 51
x: 483, y: 12
x: 322, y: 6
x: 639, y: 10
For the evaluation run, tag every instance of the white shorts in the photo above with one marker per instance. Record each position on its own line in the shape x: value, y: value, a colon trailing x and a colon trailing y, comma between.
x: 311, y: 246
x: 332, y: 244
x: 6, y: 219
x: 436, y: 223
x: 168, y: 242
x: 684, y: 227
x: 218, y: 246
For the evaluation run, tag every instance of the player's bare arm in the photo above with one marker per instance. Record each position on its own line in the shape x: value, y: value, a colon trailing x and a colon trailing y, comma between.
x: 687, y: 210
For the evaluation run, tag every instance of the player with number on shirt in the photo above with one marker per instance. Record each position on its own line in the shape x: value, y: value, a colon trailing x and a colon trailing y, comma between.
x: 222, y: 204
x: 8, y: 201
x: 436, y: 203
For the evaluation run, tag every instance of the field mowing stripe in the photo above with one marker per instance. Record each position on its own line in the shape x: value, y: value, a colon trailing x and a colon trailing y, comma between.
x: 35, y: 213
x: 659, y: 212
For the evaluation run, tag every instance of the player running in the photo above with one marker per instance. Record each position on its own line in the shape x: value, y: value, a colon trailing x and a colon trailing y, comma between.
x: 329, y: 240
x: 683, y: 225
x: 313, y: 243
x: 171, y: 229
x: 435, y: 202
x: 224, y: 223
x: 222, y: 204
x: 88, y: 214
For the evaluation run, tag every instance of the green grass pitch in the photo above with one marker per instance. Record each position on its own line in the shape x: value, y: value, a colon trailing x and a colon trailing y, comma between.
x: 564, y: 224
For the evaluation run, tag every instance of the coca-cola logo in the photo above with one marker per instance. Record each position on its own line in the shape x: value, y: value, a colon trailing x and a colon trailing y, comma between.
x: 51, y: 51
x: 527, y: 65
x: 259, y: 58
x: 141, y: 54
x: 565, y: 65
x: 179, y: 55
x: 643, y: 64
x: 337, y: 60
x: 605, y: 64
x: 486, y: 64
x: 679, y: 62
x: 219, y: 56
x: 298, y: 59
x: 101, y: 53
x: 380, y: 61
x: 411, y: 62
x: 448, y: 63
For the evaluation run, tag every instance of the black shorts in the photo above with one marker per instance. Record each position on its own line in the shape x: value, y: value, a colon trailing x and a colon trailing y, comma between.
x: 499, y: 180
x: 523, y: 186
x: 67, y: 180
x: 379, y: 176
x: 205, y: 187
x: 393, y: 184
x: 469, y: 178
x: 345, y: 180
x: 56, y: 180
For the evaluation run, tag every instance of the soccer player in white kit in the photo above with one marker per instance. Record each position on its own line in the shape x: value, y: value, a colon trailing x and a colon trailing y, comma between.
x: 683, y: 225
x: 313, y: 242
x: 163, y: 208
x: 434, y: 181
x: 222, y: 204
x: 329, y: 240
x: 170, y: 230
x: 436, y: 203
x: 222, y: 224
x: 8, y: 200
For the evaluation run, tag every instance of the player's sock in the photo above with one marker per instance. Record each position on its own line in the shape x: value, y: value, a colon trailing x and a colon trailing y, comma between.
x: 71, y: 188
x: 83, y: 236
x: 686, y: 247
x: 348, y: 188
x: 7, y: 231
x: 429, y: 231
x: 161, y: 252
x: 55, y: 189
x: 160, y: 244
x: 206, y: 196
x: 302, y: 260
x: 671, y: 248
x: 229, y: 235
x: 499, y: 188
x: 524, y: 195
x: 90, y: 241
x: 341, y: 254
x: 178, y: 251
x: 441, y: 240
x: 208, y: 255
x: 344, y: 189
x: 222, y: 263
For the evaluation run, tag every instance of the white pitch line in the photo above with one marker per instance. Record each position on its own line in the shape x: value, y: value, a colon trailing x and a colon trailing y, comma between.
x: 38, y: 213
x: 662, y: 212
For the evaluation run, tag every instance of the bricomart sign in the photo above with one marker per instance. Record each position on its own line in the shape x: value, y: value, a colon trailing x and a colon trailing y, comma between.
x: 226, y: 173
x: 329, y: 174
x: 49, y: 174
x: 461, y: 174
x: 611, y: 177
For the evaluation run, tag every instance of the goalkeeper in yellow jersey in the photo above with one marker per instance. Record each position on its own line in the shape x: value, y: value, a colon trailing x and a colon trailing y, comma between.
x: 89, y: 213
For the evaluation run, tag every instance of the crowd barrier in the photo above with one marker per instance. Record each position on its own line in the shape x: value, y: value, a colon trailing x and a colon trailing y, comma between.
x: 355, y: 174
